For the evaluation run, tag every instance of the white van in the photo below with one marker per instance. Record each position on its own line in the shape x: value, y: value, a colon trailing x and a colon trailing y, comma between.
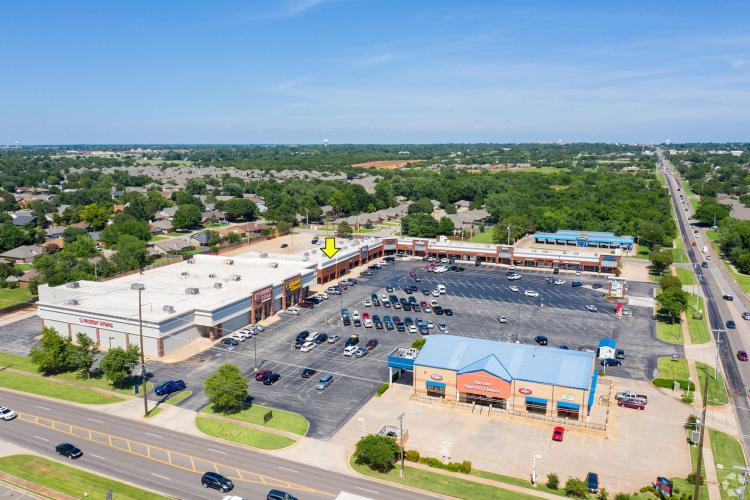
x: 441, y: 289
x: 349, y: 350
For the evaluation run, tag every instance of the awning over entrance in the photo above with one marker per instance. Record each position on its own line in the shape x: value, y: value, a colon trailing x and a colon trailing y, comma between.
x: 536, y: 401
x: 569, y: 406
x: 430, y: 383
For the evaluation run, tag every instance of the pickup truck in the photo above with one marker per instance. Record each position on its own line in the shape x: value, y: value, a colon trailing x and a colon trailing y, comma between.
x: 631, y: 395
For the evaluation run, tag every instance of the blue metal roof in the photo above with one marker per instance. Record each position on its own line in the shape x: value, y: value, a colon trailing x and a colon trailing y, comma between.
x: 598, y: 236
x: 608, y: 343
x: 531, y: 363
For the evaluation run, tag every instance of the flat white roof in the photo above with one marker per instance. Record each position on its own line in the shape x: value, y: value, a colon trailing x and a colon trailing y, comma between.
x: 166, y: 286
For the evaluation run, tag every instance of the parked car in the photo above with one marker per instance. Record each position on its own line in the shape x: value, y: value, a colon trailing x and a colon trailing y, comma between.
x: 271, y: 378
x: 592, y: 482
x: 564, y: 347
x: 438, y: 310
x: 746, y: 315
x: 333, y: 339
x: 307, y: 304
x: 216, y: 481
x: 169, y: 387
x: 280, y: 495
x: 353, y: 340
x: 742, y: 355
x: 443, y: 327
x: 635, y: 404
x: 596, y: 286
x: 541, y: 340
x: 558, y: 433
x: 448, y: 311
x: 728, y: 297
x: 231, y: 341
x: 68, y: 450
x: 514, y: 288
x: 308, y: 346
x: 261, y: 374
x: 371, y: 344
x: 292, y: 311
x: 576, y: 283
x: 361, y: 352
x: 320, y: 338
x: 308, y: 372
x: 6, y: 413
x: 502, y: 319
x: 611, y: 362
x: 592, y: 308
x: 620, y: 353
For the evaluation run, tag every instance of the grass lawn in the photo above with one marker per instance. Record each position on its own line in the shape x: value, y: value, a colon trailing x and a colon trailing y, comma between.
x: 12, y: 296
x: 158, y: 238
x: 694, y: 202
x: 742, y: 279
x: 678, y: 251
x: 442, y: 484
x: 517, y: 481
x: 670, y: 333
x: 727, y: 456
x: 154, y: 411
x: 687, y: 276
x: 176, y: 398
x: 242, y: 435
x: 24, y: 267
x: 17, y: 362
x: 717, y: 391
x: 643, y: 252
x: 282, y: 420
x: 673, y: 369
x: 485, y: 237
x: 45, y: 387
x: 69, y: 480
x: 712, y: 234
x: 699, y: 333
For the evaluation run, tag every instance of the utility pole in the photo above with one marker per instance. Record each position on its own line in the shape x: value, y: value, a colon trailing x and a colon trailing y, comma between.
x: 699, y: 461
x: 508, y: 235
x: 140, y: 287
x: 401, y: 438
x: 718, y: 346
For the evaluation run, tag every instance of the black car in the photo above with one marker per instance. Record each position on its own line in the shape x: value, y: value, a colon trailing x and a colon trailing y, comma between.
x: 347, y: 320
x: 308, y: 372
x: 353, y: 340
x: 620, y: 353
x: 320, y: 338
x: 592, y: 482
x: 298, y: 343
x: 704, y: 264
x: 302, y: 335
x: 169, y: 387
x: 407, y: 289
x: 611, y: 362
x: 731, y: 325
x: 378, y: 324
x: 425, y: 292
x: 540, y: 339
x: 556, y: 271
x: 216, y: 481
x: 279, y: 495
x: 230, y: 341
x: 438, y: 310
x: 448, y: 311
x: 728, y: 297
x: 68, y: 450
x: 408, y: 321
x: 400, y: 327
x: 357, y: 322
x: 271, y: 378
x: 596, y: 286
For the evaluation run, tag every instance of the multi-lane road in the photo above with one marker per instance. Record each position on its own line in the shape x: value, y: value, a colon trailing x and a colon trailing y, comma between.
x: 714, y: 286
x: 172, y: 462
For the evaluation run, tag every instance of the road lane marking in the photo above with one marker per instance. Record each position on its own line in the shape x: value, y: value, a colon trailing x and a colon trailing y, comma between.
x: 43, y: 408
x: 290, y: 470
x: 216, y: 451
x: 41, y: 438
x: 97, y: 456
x: 160, y: 476
x: 368, y: 491
x: 155, y: 435
x: 95, y: 420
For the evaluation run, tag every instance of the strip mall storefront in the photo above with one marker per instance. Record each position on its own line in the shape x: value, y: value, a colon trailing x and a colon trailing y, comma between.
x: 262, y: 304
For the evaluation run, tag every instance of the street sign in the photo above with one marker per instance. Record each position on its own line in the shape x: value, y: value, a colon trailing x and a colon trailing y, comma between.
x: 268, y: 416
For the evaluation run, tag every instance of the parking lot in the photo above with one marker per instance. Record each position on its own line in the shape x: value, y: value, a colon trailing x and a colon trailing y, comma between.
x: 477, y: 297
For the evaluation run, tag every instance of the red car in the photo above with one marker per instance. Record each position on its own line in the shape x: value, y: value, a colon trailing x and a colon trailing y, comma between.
x: 261, y: 374
x: 632, y: 403
x: 306, y: 304
x: 558, y: 433
x: 742, y: 355
x: 371, y: 344
x: 343, y: 285
x: 365, y: 315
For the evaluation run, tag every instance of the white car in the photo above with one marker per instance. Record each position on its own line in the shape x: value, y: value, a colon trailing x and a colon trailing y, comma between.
x: 502, y: 319
x: 7, y: 413
x: 514, y: 277
x: 323, y: 295
x: 531, y: 293
x: 514, y: 288
x: 367, y: 303
x: 292, y: 311
x: 427, y: 309
x: 367, y: 323
x: 308, y: 346
x: 435, y: 293
x: 383, y: 297
x: 578, y: 273
x: 559, y: 282
x: 311, y: 336
x: 433, y: 302
x: 592, y: 308
x: 412, y: 329
x: 355, y: 315
x: 240, y: 338
x: 443, y: 327
x: 349, y: 350
x: 512, y: 268
x: 430, y: 324
x: 243, y: 334
x: 333, y: 339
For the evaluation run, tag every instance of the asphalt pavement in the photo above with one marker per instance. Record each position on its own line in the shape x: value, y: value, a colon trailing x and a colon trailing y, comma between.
x: 172, y: 462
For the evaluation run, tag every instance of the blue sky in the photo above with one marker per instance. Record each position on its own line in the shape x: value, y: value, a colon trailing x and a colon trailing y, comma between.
x: 373, y: 71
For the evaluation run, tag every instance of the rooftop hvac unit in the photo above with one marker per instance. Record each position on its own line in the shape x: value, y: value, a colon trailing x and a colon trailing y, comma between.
x: 217, y: 285
x: 264, y: 255
x: 273, y: 265
x: 234, y: 277
x: 73, y: 284
x: 72, y: 302
x: 168, y: 309
x: 212, y: 275
x: 191, y: 261
x: 185, y: 273
x: 192, y: 291
x: 230, y: 262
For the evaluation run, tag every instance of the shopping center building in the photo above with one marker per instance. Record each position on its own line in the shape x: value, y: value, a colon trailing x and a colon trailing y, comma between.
x: 518, y: 378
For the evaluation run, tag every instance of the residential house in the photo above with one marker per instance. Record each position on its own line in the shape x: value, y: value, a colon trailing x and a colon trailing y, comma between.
x: 245, y: 229
x: 27, y: 277
x: 23, y: 217
x: 469, y: 218
x: 161, y: 226
x: 462, y: 205
x: 22, y: 255
x: 210, y: 216
x: 175, y: 245
x: 80, y: 225
x: 166, y: 213
x: 200, y: 237
x: 53, y: 232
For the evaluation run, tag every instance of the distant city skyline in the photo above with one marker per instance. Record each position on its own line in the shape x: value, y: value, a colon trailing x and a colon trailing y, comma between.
x: 371, y: 71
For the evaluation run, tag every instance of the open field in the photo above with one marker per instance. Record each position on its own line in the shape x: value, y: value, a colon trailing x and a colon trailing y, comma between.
x: 44, y: 387
x: 687, y: 276
x: 717, y: 391
x: 699, y: 333
x: 70, y: 480
x: 729, y: 461
x: 385, y: 164
x: 12, y: 296
x: 485, y: 237
x: 673, y: 369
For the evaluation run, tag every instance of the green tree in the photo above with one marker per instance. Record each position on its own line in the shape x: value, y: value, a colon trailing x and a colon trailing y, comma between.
x: 239, y: 209
x: 226, y: 389
x: 377, y: 452
x: 187, y: 216
x: 553, y: 482
x: 661, y: 260
x: 283, y: 228
x: 118, y: 363
x: 95, y: 216
x: 575, y: 487
x: 125, y: 224
x: 11, y: 237
x: 344, y: 230
x: 234, y: 237
x: 53, y: 354
x: 418, y: 343
x: 711, y: 212
x: 70, y: 234
x: 669, y: 281
x: 445, y: 226
x: 421, y: 206
x: 603, y: 494
x: 84, y: 354
x: 130, y: 253
x: 672, y: 302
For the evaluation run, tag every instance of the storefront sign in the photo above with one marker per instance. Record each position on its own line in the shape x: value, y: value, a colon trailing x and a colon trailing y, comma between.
x: 363, y: 253
x: 294, y: 285
x: 567, y: 397
x: 525, y: 391
x: 480, y: 386
x: 483, y: 383
x: 263, y: 295
x: 435, y: 376
x: 95, y: 322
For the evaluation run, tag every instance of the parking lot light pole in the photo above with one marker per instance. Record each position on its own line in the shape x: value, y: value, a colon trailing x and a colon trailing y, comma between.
x: 140, y: 287
x: 533, y: 470
x: 401, y: 438
x: 363, y: 426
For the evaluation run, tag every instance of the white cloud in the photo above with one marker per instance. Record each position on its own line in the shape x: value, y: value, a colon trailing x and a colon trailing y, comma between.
x: 737, y: 63
x: 370, y: 61
x: 296, y: 7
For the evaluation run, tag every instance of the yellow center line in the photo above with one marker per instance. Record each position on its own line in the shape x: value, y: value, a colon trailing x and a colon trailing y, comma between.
x: 265, y: 480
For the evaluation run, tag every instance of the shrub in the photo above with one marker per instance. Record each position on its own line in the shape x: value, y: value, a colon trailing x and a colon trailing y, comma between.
x: 692, y: 479
x: 383, y: 387
x: 687, y: 400
x: 622, y: 496
x: 575, y: 487
x: 377, y: 452
x: 553, y: 482
x: 412, y: 455
x: 431, y: 461
x: 603, y: 494
x: 465, y: 467
x: 418, y: 343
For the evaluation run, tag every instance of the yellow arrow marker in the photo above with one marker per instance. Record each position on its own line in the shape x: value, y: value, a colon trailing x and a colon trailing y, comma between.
x: 330, y: 249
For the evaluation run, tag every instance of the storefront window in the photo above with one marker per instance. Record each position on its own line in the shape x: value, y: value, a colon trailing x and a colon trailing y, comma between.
x: 467, y: 397
x: 435, y: 389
